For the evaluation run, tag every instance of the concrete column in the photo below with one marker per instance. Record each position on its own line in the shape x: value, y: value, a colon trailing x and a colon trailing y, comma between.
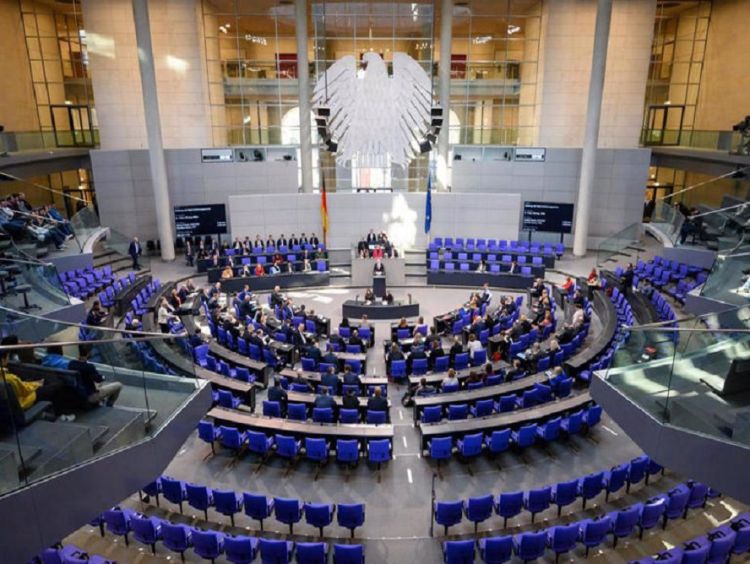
x: 591, y: 133
x: 153, y: 129
x: 305, y: 105
x: 444, y: 78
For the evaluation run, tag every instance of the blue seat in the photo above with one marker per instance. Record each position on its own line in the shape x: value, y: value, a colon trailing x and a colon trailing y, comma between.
x: 549, y: 431
x: 207, y: 544
x: 347, y: 450
x: 698, y: 494
x: 348, y: 554
x: 562, y: 539
x: 564, y: 493
x: 271, y: 408
x: 311, y: 552
x: 441, y: 448
x: 376, y: 417
x: 498, y: 441
x: 470, y: 445
x: 441, y: 364
x: 227, y: 503
x: 572, y: 424
x: 173, y: 490
x: 419, y: 366
x: 508, y: 505
x: 482, y: 408
x: 118, y: 522
x: 507, y: 403
x: 537, y: 500
x: 458, y: 411
x: 349, y: 416
x: 615, y: 479
x: 432, y: 414
x: 651, y: 513
x: 316, y: 449
x: 590, y: 486
x: 379, y: 451
x: 448, y: 513
x: 275, y: 551
x: 177, y: 538
x: 319, y: 515
x: 496, y: 550
x: 458, y: 552
x: 287, y: 446
x: 350, y: 516
x: 259, y: 442
x: 676, y: 503
x: 199, y: 497
x: 288, y: 511
x: 594, y: 531
x: 146, y: 530
x: 530, y: 546
x: 208, y: 433
x: 257, y: 506
x: 296, y: 411
x: 398, y: 369
x: 624, y: 521
x: 322, y: 415
x: 461, y: 361
x: 240, y: 549
x: 525, y: 436
x: 479, y: 509
x: 637, y: 470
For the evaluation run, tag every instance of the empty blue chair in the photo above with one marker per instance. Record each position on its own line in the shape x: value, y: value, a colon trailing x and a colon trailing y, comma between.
x: 240, y: 549
x: 275, y: 551
x: 398, y: 369
x: 564, y: 493
x: 461, y: 361
x: 347, y: 450
x: 228, y: 400
x: 348, y: 554
x: 448, y: 513
x: 537, y: 501
x: 482, y: 408
x: 637, y: 470
x: 698, y: 495
x: 118, y: 522
x: 207, y: 544
x: 233, y: 439
x: 322, y: 415
x: 590, y: 486
x: 287, y: 447
x: 349, y: 416
x: 227, y: 503
x: 316, y: 449
x: 271, y: 408
x: 319, y: 515
x: 525, y: 436
x: 208, y: 433
x: 594, y: 531
x: 173, y: 490
x: 498, y: 441
x: 376, y: 417
x: 615, y: 479
x: 593, y: 415
x: 441, y: 448
x: 651, y: 513
x: 432, y: 414
x: 572, y: 424
x: 458, y: 552
x: 419, y: 366
x: 312, y: 552
x: 496, y: 550
x: 530, y: 546
x: 549, y: 431
x: 470, y: 445
x: 257, y: 506
x: 676, y: 503
x: 479, y: 509
x: 199, y: 497
x: 288, y: 511
x: 509, y: 505
x: 379, y: 451
x: 259, y: 442
x: 562, y: 539
x: 624, y: 521
x: 350, y: 516
x: 296, y: 411
x: 441, y: 364
x: 458, y: 411
x: 177, y: 538
x: 146, y: 530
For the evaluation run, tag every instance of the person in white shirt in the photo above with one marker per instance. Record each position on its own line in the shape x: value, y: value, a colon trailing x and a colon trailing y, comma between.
x: 578, y: 316
x: 450, y: 379
x: 164, y: 314
x: 474, y: 345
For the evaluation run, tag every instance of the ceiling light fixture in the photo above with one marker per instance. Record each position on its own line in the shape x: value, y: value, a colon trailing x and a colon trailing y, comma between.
x: 482, y: 39
x: 513, y: 29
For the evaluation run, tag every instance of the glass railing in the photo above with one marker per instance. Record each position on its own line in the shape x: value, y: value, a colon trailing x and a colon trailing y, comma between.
x: 20, y: 141
x: 691, y: 374
x: 730, y: 141
x: 32, y: 285
x: 616, y: 244
x: 85, y: 222
x: 56, y: 413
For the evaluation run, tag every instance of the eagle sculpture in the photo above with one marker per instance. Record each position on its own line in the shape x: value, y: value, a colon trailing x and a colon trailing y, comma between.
x: 375, y: 118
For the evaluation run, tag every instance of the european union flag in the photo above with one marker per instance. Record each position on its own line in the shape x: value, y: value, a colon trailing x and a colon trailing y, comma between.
x: 428, y: 205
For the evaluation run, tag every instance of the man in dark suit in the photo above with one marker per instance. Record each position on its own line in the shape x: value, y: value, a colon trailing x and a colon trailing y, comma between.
x: 356, y: 340
x: 303, y: 240
x: 456, y: 348
x: 350, y: 378
x: 330, y: 358
x: 377, y: 402
x: 330, y: 380
x: 350, y: 400
x: 379, y: 268
x: 281, y: 241
x: 246, y: 307
x: 293, y: 240
x: 277, y: 393
x: 314, y: 241
x: 277, y: 298
x: 514, y: 268
x: 134, y: 250
x: 270, y: 242
x: 323, y: 400
x: 372, y: 238
x: 313, y: 352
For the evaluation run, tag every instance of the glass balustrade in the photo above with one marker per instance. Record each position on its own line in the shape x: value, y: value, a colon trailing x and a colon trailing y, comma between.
x: 615, y: 244
x: 53, y: 412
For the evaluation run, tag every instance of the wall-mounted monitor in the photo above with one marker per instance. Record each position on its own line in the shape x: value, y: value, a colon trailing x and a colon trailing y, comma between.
x: 208, y: 219
x: 547, y: 216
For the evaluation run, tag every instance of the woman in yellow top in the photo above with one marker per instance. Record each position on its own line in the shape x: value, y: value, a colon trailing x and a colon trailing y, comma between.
x: 25, y: 391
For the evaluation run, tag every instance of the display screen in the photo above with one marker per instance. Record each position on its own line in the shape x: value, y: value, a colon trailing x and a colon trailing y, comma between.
x: 209, y: 219
x: 547, y: 216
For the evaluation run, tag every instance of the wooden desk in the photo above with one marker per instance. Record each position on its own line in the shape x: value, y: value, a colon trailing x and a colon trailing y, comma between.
x: 273, y: 425
x: 502, y: 420
x: 309, y: 400
x: 472, y: 396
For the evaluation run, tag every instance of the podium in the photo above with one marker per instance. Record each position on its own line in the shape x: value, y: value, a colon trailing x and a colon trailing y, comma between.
x: 378, y: 285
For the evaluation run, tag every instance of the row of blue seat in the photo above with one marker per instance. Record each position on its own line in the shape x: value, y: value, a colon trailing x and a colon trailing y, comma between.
x: 85, y: 282
x: 562, y: 539
x: 69, y: 554
x: 210, y: 544
x: 256, y: 506
x: 494, y: 268
x: 497, y: 442
x: 316, y: 449
x: 470, y: 244
x: 716, y: 546
x: 510, y: 504
x: 300, y: 412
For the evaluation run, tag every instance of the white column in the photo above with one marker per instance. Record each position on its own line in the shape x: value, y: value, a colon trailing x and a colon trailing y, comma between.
x: 444, y: 78
x: 591, y: 133
x: 153, y: 129
x: 305, y: 106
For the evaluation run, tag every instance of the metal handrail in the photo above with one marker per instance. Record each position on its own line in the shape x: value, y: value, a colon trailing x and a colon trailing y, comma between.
x: 44, y: 344
x: 703, y: 183
x: 42, y: 187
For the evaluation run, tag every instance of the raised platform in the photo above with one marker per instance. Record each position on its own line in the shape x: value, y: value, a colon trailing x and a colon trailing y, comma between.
x: 395, y: 271
x: 476, y: 279
x: 259, y: 283
x: 356, y: 309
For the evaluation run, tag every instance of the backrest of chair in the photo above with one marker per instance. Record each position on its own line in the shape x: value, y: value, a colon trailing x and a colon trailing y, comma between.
x: 350, y: 515
x: 272, y: 550
x: 447, y: 512
x: 197, y: 495
x: 510, y: 504
x: 457, y: 552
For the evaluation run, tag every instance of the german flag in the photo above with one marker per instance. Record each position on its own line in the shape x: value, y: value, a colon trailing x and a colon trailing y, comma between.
x: 323, y: 208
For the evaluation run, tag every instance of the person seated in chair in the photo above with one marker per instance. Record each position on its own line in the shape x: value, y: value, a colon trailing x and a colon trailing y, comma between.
x: 355, y: 339
x: 515, y: 371
x: 350, y: 378
x: 277, y: 393
x: 377, y: 402
x: 323, y: 400
x: 450, y: 380
x: 91, y: 384
x: 330, y: 380
x: 369, y: 296
x: 96, y: 315
x: 394, y: 354
x: 350, y: 400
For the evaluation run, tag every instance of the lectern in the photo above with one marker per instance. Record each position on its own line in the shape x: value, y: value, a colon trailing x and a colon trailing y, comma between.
x: 378, y: 285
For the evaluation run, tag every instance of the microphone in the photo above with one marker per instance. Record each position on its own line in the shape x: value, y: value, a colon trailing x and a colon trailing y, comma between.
x: 356, y: 298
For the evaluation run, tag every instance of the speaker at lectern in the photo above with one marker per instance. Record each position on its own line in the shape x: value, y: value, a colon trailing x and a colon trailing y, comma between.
x: 378, y: 280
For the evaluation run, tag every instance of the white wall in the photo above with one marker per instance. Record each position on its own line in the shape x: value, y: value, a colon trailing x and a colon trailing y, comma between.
x: 351, y: 216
